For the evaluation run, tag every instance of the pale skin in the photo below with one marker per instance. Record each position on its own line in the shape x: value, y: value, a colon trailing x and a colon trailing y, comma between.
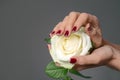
x: 105, y: 53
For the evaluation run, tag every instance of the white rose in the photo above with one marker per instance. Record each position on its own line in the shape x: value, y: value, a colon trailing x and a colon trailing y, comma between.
x: 63, y: 48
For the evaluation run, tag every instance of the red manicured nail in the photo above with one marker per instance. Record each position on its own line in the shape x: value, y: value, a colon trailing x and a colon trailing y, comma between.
x: 53, y: 32
x: 90, y: 29
x: 73, y: 60
x: 58, y: 32
x: 66, y: 33
x: 74, y: 28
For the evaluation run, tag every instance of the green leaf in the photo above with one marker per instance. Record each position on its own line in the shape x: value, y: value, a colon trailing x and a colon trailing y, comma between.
x: 78, y: 74
x: 91, y: 50
x: 48, y: 40
x: 54, y: 71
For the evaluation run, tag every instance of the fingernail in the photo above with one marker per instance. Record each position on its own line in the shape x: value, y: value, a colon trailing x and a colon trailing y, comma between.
x: 74, y: 28
x: 53, y: 32
x: 58, y: 32
x: 66, y: 33
x: 73, y: 60
x: 90, y: 28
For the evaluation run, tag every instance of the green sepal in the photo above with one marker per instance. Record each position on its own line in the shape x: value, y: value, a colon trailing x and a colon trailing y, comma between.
x: 55, y: 72
x: 92, y: 48
x: 48, y: 40
x: 75, y: 72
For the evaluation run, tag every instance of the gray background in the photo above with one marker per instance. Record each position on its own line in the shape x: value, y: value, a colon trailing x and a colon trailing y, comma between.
x: 25, y: 23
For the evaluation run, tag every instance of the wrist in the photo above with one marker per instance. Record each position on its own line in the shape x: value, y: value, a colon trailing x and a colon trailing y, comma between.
x: 115, y: 60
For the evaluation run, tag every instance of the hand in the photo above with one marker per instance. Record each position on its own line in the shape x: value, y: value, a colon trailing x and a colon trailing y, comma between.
x: 74, y: 21
x: 105, y: 53
x: 108, y: 55
x: 99, y: 57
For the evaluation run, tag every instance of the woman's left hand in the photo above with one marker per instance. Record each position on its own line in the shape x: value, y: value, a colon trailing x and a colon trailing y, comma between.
x: 74, y: 21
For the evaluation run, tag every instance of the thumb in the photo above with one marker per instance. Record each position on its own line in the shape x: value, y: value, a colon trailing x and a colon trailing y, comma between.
x: 86, y: 60
x: 97, y: 57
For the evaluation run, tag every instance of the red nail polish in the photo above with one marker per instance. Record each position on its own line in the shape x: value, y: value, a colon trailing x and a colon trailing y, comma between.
x: 73, y: 60
x: 53, y: 32
x: 74, y: 28
x: 58, y: 32
x: 66, y: 33
x: 90, y: 29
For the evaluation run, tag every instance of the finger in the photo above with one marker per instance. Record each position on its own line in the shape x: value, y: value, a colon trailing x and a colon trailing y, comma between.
x: 72, y: 18
x: 49, y: 46
x: 56, y: 29
x: 95, y: 34
x: 88, y: 28
x: 93, y: 30
x: 82, y: 20
x: 97, y: 57
x: 57, y: 64
x: 61, y: 27
x: 85, y: 18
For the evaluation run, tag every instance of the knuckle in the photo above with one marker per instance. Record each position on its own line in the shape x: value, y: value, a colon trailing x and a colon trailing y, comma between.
x: 84, y: 14
x: 58, y: 24
x: 65, y: 18
x: 73, y: 13
x: 95, y: 17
